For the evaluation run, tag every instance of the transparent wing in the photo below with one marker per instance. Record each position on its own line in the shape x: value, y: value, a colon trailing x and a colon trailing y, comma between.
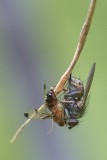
x: 40, y: 113
x: 89, y: 81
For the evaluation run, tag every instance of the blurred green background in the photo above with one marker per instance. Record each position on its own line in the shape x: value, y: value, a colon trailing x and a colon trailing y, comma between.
x: 37, y: 42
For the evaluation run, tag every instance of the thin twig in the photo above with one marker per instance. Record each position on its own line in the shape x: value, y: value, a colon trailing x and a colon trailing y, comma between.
x: 63, y: 79
x: 39, y: 114
x: 21, y: 127
x: 83, y: 35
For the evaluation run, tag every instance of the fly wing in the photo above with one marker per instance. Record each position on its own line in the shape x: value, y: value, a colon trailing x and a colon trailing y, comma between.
x: 89, y: 82
x: 40, y: 113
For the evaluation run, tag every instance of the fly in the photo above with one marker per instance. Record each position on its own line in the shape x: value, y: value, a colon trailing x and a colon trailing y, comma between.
x: 75, y: 99
x: 65, y: 112
x: 72, y: 107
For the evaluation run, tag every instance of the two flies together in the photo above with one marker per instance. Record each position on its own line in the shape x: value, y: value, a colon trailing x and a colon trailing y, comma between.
x: 73, y: 105
x: 67, y: 111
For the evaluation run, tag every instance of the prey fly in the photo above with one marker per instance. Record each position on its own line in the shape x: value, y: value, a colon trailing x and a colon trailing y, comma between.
x: 68, y: 110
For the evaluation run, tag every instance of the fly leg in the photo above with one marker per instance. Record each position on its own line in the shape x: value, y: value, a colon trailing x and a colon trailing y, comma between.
x: 74, y: 91
x: 72, y: 122
x: 76, y: 88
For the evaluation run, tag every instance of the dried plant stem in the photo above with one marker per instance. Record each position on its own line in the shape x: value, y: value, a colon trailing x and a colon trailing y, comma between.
x: 63, y: 79
x: 82, y: 39
x: 21, y: 127
x: 37, y: 115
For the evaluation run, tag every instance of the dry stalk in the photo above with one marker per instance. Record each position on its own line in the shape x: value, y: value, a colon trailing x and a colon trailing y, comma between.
x: 63, y: 79
x: 83, y: 35
x: 82, y: 39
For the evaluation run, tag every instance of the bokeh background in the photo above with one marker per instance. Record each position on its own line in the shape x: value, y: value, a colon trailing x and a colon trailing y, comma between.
x: 37, y: 42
